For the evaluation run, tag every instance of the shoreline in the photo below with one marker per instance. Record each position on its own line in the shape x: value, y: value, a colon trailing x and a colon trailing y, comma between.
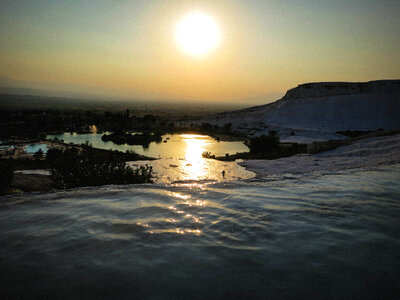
x: 362, y: 153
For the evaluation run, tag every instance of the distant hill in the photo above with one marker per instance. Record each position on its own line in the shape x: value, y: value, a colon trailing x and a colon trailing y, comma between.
x: 324, y: 107
x: 327, y: 89
x: 13, y: 100
x: 24, y: 91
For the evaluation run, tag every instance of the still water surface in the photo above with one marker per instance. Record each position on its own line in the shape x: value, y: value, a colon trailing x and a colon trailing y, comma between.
x: 176, y: 145
x: 181, y: 156
x: 32, y: 149
x: 331, y: 236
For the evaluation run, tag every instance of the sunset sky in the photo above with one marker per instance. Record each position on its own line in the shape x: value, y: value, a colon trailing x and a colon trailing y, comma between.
x: 128, y: 48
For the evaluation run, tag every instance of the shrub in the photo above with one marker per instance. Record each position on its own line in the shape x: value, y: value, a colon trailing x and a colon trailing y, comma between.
x: 264, y: 143
x: 53, y: 154
x: 228, y: 127
x: 207, y: 154
x: 207, y: 126
x: 74, y: 168
x: 38, y: 154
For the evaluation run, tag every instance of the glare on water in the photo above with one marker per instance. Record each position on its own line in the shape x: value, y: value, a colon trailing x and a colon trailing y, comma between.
x: 174, y: 145
x: 310, y: 237
x: 190, y: 167
x: 195, y: 164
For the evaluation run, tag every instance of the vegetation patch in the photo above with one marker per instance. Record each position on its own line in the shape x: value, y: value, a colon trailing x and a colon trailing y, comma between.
x: 87, y: 167
x: 357, y: 133
x: 264, y: 147
x: 121, y: 138
x: 317, y: 147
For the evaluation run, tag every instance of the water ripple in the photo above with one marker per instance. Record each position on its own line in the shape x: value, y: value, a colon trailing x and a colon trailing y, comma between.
x: 324, y: 236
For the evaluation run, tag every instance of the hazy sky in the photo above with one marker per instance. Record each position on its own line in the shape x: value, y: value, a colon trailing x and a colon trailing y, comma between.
x: 266, y: 46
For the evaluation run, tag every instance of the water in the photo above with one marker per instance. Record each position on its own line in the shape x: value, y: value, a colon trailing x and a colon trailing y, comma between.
x: 332, y: 236
x: 32, y: 149
x: 194, y: 168
x: 177, y: 145
x: 8, y: 147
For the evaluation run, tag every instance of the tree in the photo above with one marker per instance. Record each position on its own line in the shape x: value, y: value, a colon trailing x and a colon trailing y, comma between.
x: 264, y: 144
x: 38, y: 154
x: 228, y: 127
x: 88, y: 167
x: 53, y: 154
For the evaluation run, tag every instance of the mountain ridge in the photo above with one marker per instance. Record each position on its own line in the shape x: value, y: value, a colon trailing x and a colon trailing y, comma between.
x: 326, y: 89
x: 323, y: 107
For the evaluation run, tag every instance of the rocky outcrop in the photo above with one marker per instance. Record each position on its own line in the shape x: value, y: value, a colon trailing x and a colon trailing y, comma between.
x: 32, y: 182
x: 328, y: 107
x: 327, y: 89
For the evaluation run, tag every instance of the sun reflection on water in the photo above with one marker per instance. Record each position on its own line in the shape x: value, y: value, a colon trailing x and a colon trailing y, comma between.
x: 196, y: 203
x: 195, y: 167
x: 187, y: 168
x: 181, y: 196
x: 184, y: 202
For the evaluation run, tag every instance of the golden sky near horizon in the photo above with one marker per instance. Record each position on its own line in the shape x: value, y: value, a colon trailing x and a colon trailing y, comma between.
x: 265, y: 47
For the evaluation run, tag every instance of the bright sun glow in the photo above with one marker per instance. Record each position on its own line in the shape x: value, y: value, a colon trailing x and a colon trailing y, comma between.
x: 197, y: 33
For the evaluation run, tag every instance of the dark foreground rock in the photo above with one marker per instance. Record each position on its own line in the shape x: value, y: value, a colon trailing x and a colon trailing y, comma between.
x: 32, y: 182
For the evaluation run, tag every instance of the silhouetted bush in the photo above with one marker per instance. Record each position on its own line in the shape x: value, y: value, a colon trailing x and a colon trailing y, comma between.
x: 53, y: 154
x: 207, y: 154
x: 87, y: 167
x: 269, y: 147
x: 227, y: 128
x: 354, y: 133
x: 6, y: 176
x: 121, y: 138
x: 264, y: 143
x: 207, y: 127
x: 38, y: 154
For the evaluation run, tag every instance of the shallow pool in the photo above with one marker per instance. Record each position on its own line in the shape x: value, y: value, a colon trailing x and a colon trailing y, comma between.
x: 323, y: 237
x: 172, y: 145
x: 32, y: 149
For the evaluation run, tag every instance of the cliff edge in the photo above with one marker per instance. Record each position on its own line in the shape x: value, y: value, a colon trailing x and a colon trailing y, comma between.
x: 324, y: 107
x: 327, y: 89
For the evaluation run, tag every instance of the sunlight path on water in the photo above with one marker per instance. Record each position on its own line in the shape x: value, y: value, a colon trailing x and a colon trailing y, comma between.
x: 321, y: 237
x: 173, y: 145
x: 193, y: 167
x: 285, y: 236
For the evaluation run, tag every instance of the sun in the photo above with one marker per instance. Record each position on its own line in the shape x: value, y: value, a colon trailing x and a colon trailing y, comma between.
x: 197, y: 33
